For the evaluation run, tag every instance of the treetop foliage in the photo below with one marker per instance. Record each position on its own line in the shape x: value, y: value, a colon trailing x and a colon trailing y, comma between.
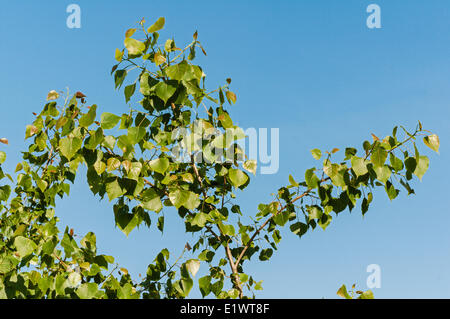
x: 130, y: 163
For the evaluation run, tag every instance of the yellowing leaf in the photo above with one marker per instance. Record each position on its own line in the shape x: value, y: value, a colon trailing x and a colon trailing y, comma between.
x: 2, y: 157
x: 112, y: 164
x: 52, y: 95
x: 231, y: 97
x: 193, y: 265
x: 159, y: 58
x: 118, y: 55
x: 127, y: 165
x: 30, y: 131
x: 432, y: 141
x: 334, y: 150
x: 342, y: 292
x: 422, y: 166
x: 133, y: 46
x: 250, y: 166
x: 129, y: 33
x: 158, y: 25
x: 316, y: 153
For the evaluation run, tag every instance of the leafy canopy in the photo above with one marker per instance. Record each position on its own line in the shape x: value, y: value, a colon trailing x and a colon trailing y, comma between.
x: 130, y: 162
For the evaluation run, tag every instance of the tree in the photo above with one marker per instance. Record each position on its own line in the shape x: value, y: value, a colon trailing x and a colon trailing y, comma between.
x: 173, y: 151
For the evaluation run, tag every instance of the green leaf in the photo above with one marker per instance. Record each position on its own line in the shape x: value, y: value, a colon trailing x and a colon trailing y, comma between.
x: 114, y: 190
x: 109, y: 120
x: 383, y: 173
x: 129, y: 91
x: 379, y: 156
x: 133, y: 46
x: 281, y: 218
x: 24, y: 246
x: 422, y: 166
x: 185, y: 286
x: 311, y: 179
x: 359, y: 166
x: 330, y: 169
x: 119, y: 77
x: 266, y: 254
x: 126, y: 222
x: 160, y: 223
x: 227, y: 230
x: 316, y: 153
x: 94, y: 139
x: 407, y: 187
x: 237, y: 177
x: 89, y: 241
x: 225, y: 120
x: 164, y: 91
x: 6, y: 265
x: 69, y: 244
x: 292, y: 181
x: 324, y: 221
x: 178, y: 71
x: 391, y: 191
x: 87, y: 119
x: 151, y: 200
x: 69, y: 146
x: 315, y: 212
x: 159, y: 165
x: 127, y: 292
x: 158, y: 25
x: 206, y: 255
x: 396, y: 163
x: 410, y: 164
x: 135, y: 170
x: 109, y: 141
x: 42, y: 185
x: 204, y: 284
x: 5, y: 191
x: 233, y: 293
x: 2, y: 157
x: 136, y: 134
x: 87, y: 290
x: 200, y: 220
x: 258, y: 285
x: 169, y: 45
x: 180, y: 197
x: 192, y: 201
x: 147, y: 84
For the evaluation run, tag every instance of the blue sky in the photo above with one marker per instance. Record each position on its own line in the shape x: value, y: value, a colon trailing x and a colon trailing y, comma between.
x: 312, y: 69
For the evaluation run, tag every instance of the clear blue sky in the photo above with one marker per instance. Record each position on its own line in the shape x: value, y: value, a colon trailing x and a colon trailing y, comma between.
x: 312, y: 69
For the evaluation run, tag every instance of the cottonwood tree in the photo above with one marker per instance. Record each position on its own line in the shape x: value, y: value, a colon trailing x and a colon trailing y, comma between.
x: 130, y: 162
